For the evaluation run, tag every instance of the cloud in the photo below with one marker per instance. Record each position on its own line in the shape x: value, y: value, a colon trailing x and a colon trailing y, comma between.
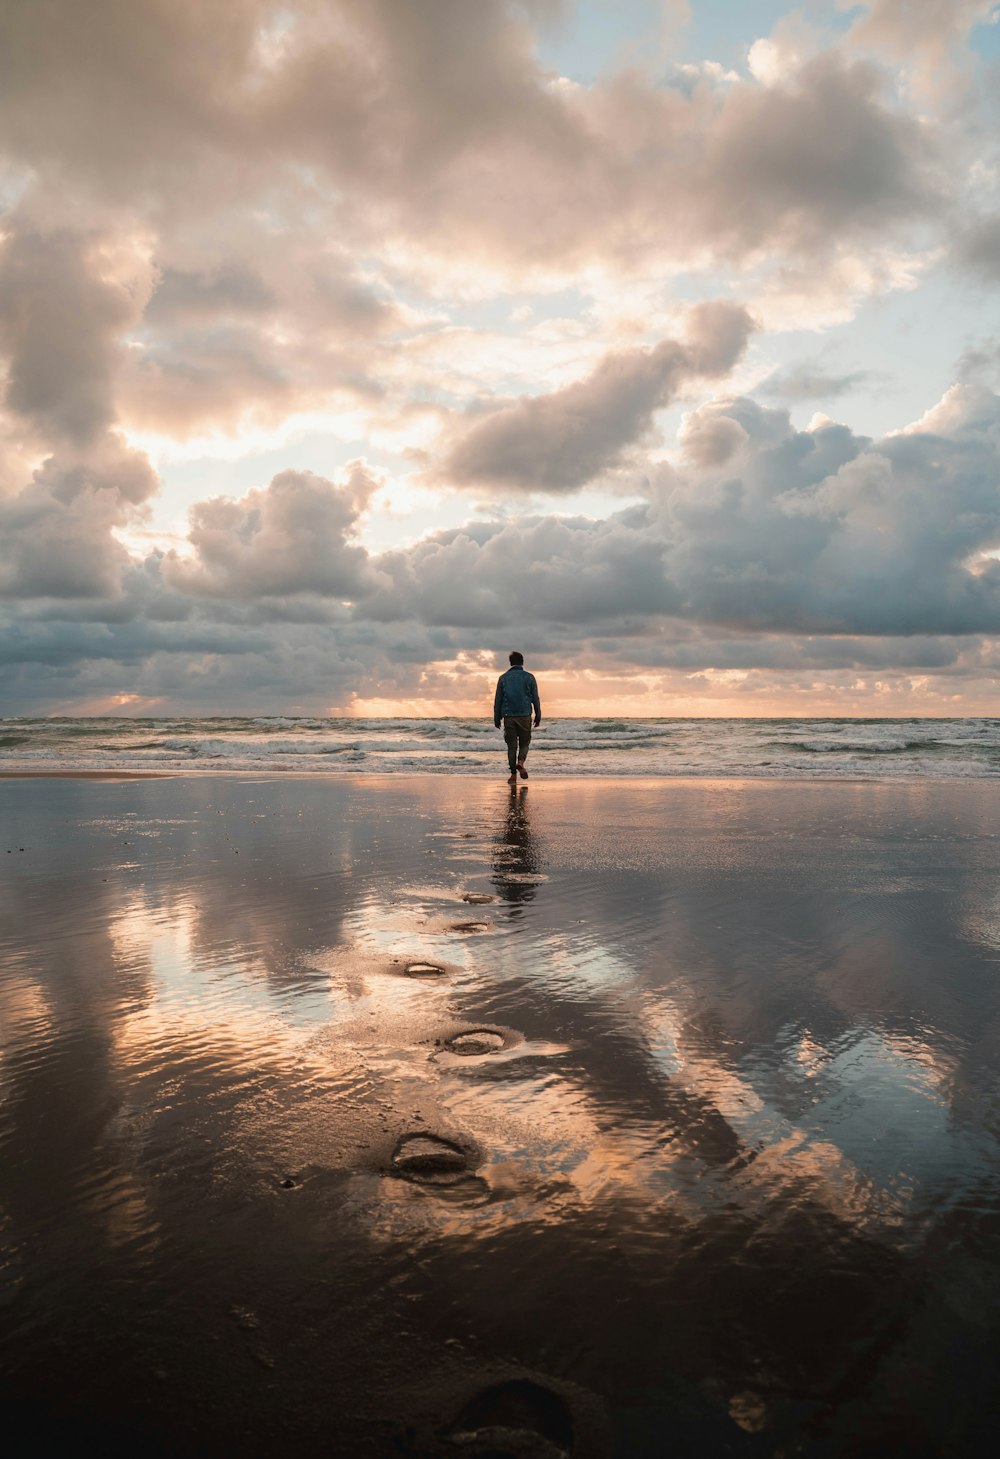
x: 65, y: 301
x: 929, y: 34
x: 977, y: 247
x: 766, y: 529
x: 229, y: 217
x: 561, y: 441
x: 290, y: 538
x: 57, y: 534
x: 225, y: 290
x: 256, y: 339
x: 815, y: 159
x: 567, y: 570
x: 779, y: 550
x: 810, y: 380
x: 824, y: 532
x: 446, y: 135
x: 61, y: 321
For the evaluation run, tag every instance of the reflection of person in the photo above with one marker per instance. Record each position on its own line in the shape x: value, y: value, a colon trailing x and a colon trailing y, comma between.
x: 516, y: 697
x: 516, y: 861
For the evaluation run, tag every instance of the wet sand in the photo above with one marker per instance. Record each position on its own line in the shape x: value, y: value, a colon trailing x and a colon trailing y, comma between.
x: 415, y: 1117
x: 83, y: 774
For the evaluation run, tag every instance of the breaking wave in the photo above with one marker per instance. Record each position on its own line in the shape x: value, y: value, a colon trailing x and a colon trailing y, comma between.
x: 281, y: 744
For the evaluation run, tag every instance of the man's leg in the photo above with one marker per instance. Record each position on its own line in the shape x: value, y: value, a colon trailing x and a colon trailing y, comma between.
x: 523, y: 741
x: 510, y: 735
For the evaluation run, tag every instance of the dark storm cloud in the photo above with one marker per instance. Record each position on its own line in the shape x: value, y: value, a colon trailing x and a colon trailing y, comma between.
x: 560, y: 441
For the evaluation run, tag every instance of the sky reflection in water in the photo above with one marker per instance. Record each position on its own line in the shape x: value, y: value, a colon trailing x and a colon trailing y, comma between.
x: 734, y: 1172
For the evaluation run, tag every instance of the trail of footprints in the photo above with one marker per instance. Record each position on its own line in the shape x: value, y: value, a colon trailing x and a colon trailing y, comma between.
x: 422, y: 1157
x: 523, y: 1415
x: 429, y: 1159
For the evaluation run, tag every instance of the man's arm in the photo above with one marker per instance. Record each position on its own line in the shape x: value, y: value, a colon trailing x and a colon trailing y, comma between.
x: 536, y: 703
x: 498, y: 703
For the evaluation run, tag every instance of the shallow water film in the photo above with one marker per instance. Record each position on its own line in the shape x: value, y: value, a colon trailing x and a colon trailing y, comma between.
x: 418, y: 1117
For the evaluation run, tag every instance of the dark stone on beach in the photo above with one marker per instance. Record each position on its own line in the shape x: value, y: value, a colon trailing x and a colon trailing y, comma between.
x: 424, y: 970
x: 476, y: 1041
x: 429, y: 1159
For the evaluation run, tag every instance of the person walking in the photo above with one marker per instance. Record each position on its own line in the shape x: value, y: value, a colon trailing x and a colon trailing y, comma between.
x: 516, y: 697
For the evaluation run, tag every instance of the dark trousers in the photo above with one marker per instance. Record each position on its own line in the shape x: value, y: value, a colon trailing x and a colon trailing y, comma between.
x: 517, y: 733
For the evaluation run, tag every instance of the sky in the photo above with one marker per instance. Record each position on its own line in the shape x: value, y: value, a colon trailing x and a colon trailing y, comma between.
x: 346, y: 345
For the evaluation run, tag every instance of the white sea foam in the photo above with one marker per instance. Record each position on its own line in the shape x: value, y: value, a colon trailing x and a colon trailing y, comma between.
x: 847, y: 749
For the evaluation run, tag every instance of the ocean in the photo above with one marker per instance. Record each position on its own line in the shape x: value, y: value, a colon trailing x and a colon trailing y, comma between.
x: 903, y: 749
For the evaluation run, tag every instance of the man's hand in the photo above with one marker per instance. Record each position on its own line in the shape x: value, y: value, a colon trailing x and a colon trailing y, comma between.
x: 538, y: 720
x: 496, y: 724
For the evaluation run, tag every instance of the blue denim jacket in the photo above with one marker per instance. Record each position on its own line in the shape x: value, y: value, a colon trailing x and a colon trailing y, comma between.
x: 517, y: 693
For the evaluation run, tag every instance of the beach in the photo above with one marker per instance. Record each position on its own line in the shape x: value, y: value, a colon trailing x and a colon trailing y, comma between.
x: 408, y: 1115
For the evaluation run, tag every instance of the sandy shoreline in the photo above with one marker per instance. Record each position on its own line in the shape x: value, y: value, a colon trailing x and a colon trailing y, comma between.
x: 538, y: 782
x: 632, y: 1116
x: 85, y: 774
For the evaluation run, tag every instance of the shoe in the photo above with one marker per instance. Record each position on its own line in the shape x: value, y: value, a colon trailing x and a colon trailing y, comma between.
x: 521, y: 770
x: 512, y: 780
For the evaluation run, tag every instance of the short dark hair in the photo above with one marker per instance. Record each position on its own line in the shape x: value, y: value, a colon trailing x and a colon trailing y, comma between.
x: 516, y: 658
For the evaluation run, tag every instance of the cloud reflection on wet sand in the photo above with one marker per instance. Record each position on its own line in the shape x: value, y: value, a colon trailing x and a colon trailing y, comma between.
x: 730, y: 1171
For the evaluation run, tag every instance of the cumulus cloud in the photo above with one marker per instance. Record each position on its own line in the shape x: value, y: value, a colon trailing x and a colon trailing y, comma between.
x: 440, y: 124
x: 65, y: 301
x: 766, y: 528
x: 62, y: 315
x: 769, y: 547
x: 560, y: 441
x: 57, y: 534
x: 233, y: 215
x: 290, y: 538
x: 822, y: 531
x: 569, y: 570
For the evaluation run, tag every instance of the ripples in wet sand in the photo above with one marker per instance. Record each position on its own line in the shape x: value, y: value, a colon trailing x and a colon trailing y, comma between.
x: 690, y: 1146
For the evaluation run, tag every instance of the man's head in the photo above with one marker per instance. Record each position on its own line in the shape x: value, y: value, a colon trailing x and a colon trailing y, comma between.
x: 516, y: 659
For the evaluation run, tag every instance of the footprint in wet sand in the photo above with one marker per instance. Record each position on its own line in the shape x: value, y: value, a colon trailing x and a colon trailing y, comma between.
x: 430, y: 1159
x: 478, y: 899
x: 519, y: 1419
x: 444, y: 1168
x: 509, y: 1413
x: 470, y: 927
x: 476, y: 1041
